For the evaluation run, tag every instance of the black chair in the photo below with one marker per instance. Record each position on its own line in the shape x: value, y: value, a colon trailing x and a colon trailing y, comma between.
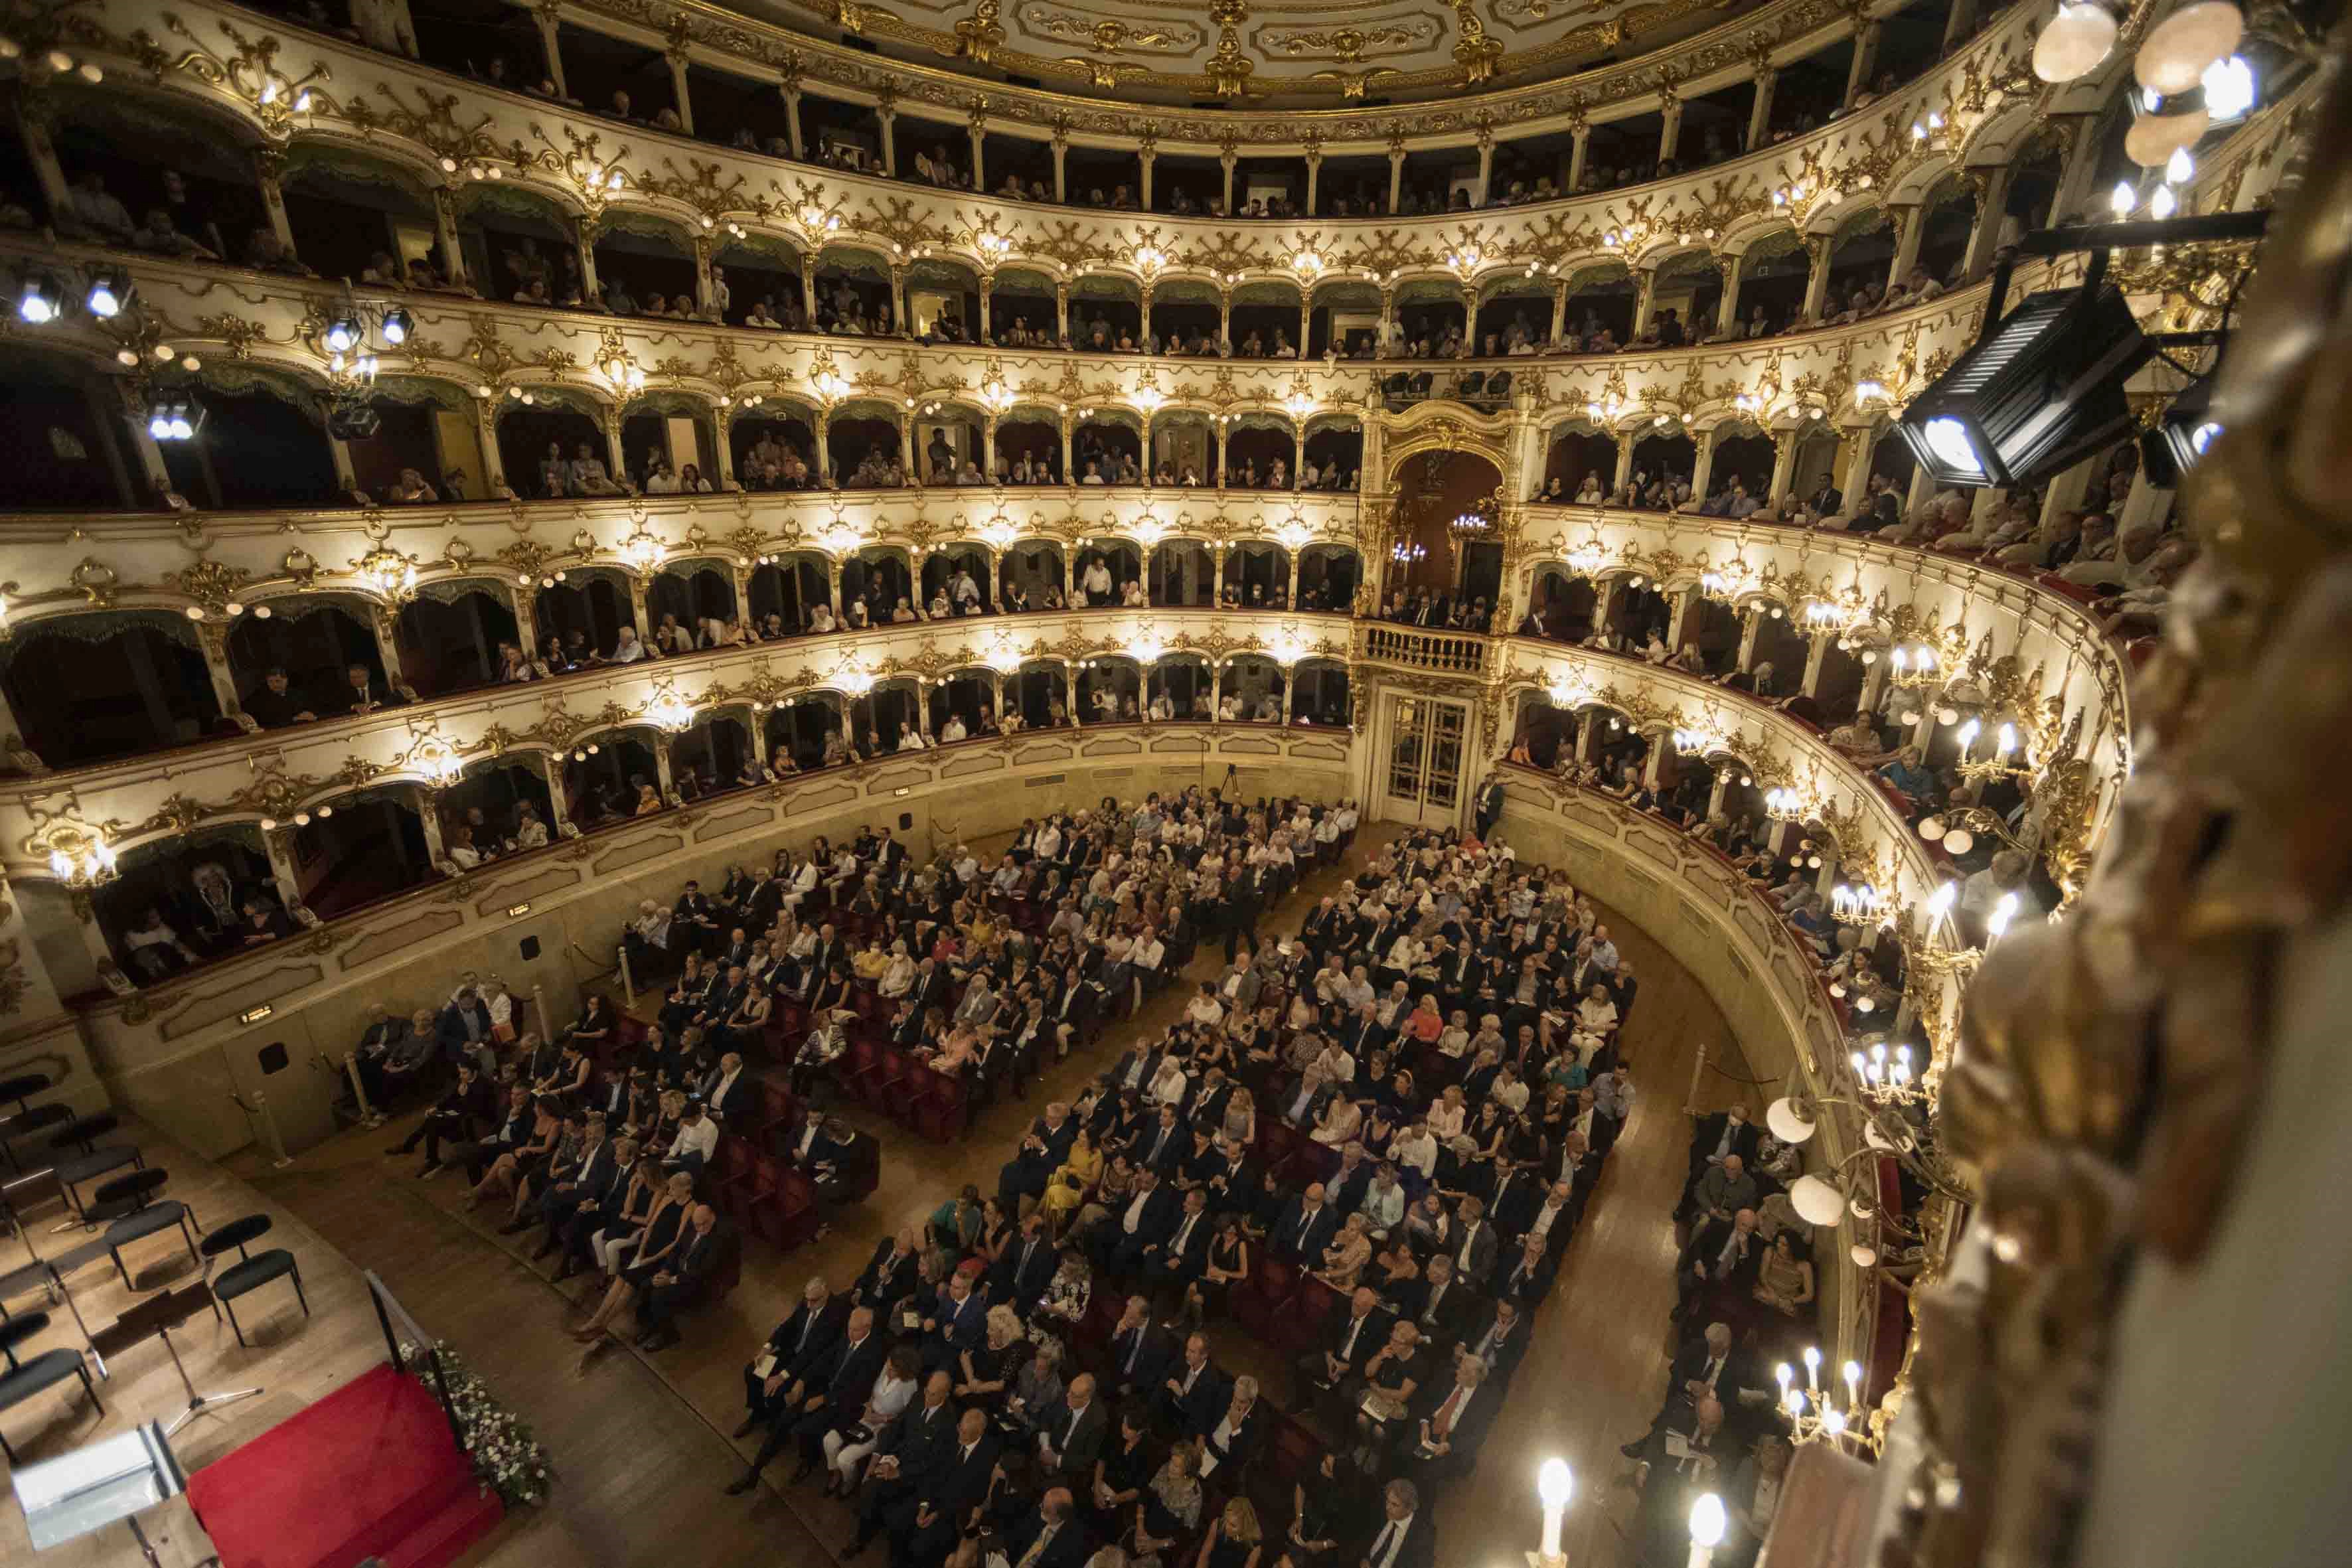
x: 1471, y: 385
x: 252, y: 1270
x: 23, y: 1087
x: 25, y: 1379
x: 130, y: 1211
x: 26, y: 1123
x: 95, y: 1159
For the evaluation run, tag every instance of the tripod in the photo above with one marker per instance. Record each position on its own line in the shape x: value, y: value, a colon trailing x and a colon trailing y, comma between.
x: 158, y: 1315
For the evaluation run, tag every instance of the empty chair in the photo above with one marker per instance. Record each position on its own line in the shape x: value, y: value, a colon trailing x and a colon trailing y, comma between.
x: 1472, y: 384
x: 25, y: 1123
x: 22, y: 1087
x: 1421, y: 382
x: 24, y: 1379
x: 252, y: 1270
x: 94, y: 1160
x: 129, y: 1208
x: 1499, y: 384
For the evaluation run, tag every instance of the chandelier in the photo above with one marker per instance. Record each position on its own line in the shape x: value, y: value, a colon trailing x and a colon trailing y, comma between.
x: 1858, y: 904
x: 670, y: 715
x: 1914, y: 665
x: 1782, y: 804
x: 1813, y: 1416
x: 1406, y: 552
x: 1698, y: 742
x: 2007, y: 761
x: 1888, y: 1078
x: 86, y: 862
x: 642, y: 549
x: 1726, y: 582
x: 388, y: 573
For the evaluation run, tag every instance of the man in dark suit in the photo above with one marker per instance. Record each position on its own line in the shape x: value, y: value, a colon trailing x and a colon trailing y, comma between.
x: 1436, y: 1302
x: 1704, y: 1368
x: 463, y: 1026
x: 1193, y: 1392
x: 1720, y: 1136
x: 929, y: 1524
x: 776, y: 1375
x: 906, y: 1458
x: 956, y: 1323
x: 1306, y: 1228
x: 1140, y: 1351
x: 1122, y: 1238
x: 682, y: 1281
x: 1527, y: 1279
x: 1163, y: 1149
x: 891, y: 1274
x: 469, y: 1106
x: 1349, y: 1338
x: 1721, y: 1261
x: 1500, y: 1340
x: 1407, y: 1537
x: 1043, y: 1149
x: 1049, y: 1535
x: 1070, y: 1436
x: 1021, y: 1275
x: 828, y: 1391
x: 1453, y: 1423
x: 589, y: 1181
x: 1473, y: 1244
x: 1173, y: 1265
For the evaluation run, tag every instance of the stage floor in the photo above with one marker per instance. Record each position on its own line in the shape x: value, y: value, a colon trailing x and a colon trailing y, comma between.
x: 636, y: 1468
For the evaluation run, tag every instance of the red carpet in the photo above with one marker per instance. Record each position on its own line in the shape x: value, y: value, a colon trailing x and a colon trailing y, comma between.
x: 370, y: 1470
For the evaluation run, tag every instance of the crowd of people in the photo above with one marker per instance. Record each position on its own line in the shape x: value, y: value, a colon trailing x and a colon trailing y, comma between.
x: 1399, y: 1113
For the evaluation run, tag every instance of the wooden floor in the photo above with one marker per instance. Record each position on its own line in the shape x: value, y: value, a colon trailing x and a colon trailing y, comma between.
x: 640, y: 1444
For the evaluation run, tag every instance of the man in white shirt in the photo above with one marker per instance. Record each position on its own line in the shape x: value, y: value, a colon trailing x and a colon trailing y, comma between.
x: 696, y: 1140
x: 952, y: 731
x: 626, y: 649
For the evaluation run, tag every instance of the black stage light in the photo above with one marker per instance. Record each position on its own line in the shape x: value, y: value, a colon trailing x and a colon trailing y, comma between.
x: 2180, y: 437
x: 349, y: 419
x: 2039, y: 393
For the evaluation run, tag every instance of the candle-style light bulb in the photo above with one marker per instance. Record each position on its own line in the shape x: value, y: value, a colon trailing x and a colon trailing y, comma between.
x: 1555, y: 1484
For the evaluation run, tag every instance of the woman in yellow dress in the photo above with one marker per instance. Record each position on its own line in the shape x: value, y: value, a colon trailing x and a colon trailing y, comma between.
x: 1081, y: 1169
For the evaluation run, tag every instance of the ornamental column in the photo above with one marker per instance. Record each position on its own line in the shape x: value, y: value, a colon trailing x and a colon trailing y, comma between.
x: 1855, y: 480
x: 552, y: 46
x: 1784, y: 462
x: 1225, y: 314
x: 387, y: 625
x: 1816, y: 658
x: 269, y: 162
x: 1580, y: 142
x: 1217, y: 574
x: 1227, y: 158
x: 1061, y: 145
x: 1960, y: 24
x: 1865, y: 58
x: 890, y: 119
x: 1558, y: 308
x: 1146, y: 154
x: 212, y: 638
x: 444, y: 235
x: 1752, y: 623
x: 1984, y: 235
x: 1062, y: 311
x: 1670, y: 129
x: 823, y: 453
x: 792, y: 117
x: 679, y: 86
x: 584, y: 239
x: 987, y: 292
x: 1314, y: 173
x: 494, y: 468
x: 33, y: 127
x: 899, y: 325
x: 1624, y: 461
x: 706, y: 292
x: 1396, y: 171
x: 1702, y: 467
x: 1910, y: 226
x: 1646, y: 298
x: 1070, y: 685
x: 1486, y: 164
x: 1817, y: 277
x: 722, y: 464
x: 977, y: 130
x: 279, y: 846
x: 1069, y: 452
x: 1727, y: 313
x: 1759, y: 114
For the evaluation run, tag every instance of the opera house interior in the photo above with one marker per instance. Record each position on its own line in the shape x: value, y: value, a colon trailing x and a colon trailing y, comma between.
x: 1100, y: 783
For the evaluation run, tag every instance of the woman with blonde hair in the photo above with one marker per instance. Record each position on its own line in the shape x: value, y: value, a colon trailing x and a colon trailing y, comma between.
x: 1233, y: 1540
x: 1169, y: 1508
x: 990, y: 1365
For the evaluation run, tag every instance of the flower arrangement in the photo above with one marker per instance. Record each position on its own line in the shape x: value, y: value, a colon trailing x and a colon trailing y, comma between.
x: 507, y: 1458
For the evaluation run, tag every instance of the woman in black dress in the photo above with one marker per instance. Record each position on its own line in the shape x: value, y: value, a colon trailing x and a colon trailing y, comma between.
x: 665, y: 1229
x: 1229, y: 1263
